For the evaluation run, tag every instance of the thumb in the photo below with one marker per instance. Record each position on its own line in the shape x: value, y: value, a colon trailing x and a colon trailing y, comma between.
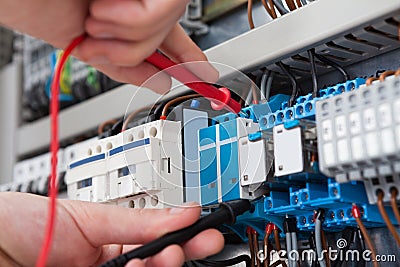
x: 104, y: 224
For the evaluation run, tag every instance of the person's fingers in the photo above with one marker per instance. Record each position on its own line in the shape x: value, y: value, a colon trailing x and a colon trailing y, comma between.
x: 116, y: 52
x: 109, y: 252
x: 171, y: 256
x: 208, y: 242
x: 180, y: 48
x: 145, y: 15
x: 102, y: 224
x: 145, y: 75
x: 136, y: 263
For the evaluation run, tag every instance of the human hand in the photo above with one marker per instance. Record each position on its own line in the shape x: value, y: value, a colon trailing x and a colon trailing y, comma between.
x: 121, y: 33
x: 88, y: 234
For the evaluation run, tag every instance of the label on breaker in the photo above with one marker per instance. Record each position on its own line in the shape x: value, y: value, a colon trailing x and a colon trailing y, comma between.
x: 327, y: 130
x: 385, y: 115
x: 369, y: 119
x: 355, y: 123
x: 340, y: 126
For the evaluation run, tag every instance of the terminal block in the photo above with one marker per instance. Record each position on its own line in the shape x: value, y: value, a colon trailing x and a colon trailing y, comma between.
x: 359, y: 136
x: 144, y: 159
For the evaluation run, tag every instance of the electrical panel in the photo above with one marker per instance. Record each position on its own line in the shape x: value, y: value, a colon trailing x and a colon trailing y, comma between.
x: 315, y: 141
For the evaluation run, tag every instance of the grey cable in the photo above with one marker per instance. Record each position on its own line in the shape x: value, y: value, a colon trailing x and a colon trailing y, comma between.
x: 318, y: 242
x: 281, y: 8
x: 249, y: 96
x: 294, y: 245
x: 289, y: 248
x: 269, y: 86
x: 304, y: 2
x: 264, y: 80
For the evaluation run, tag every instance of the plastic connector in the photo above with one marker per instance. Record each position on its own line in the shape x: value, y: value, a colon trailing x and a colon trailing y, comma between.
x: 269, y: 228
x: 355, y: 210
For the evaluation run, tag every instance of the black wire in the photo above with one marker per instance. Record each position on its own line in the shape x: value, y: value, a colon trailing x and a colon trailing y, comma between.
x: 334, y: 65
x: 286, y: 71
x: 311, y: 56
x: 228, y: 262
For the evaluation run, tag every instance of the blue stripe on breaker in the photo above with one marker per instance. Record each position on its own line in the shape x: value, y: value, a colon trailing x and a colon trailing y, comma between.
x: 87, y: 160
x: 129, y: 146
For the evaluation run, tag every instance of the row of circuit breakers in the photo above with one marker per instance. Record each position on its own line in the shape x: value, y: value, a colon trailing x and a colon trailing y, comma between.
x: 328, y: 152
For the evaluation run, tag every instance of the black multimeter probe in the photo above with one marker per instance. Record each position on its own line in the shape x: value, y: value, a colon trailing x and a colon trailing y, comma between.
x: 226, y: 214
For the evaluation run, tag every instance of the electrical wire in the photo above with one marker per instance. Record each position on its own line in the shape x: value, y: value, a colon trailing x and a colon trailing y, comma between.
x: 272, y: 7
x: 387, y: 73
x: 249, y: 230
x: 370, y: 80
x: 304, y: 2
x: 256, y: 247
x: 277, y: 239
x: 292, y: 79
x: 281, y: 8
x: 289, y: 248
x: 393, y: 202
x: 299, y: 4
x: 397, y: 73
x: 268, y: 9
x: 333, y: 64
x: 250, y: 14
x: 174, y: 101
x: 100, y: 129
x: 228, y: 262
x: 386, y: 218
x: 265, y: 85
x: 311, y: 56
x: 133, y: 115
x: 318, y: 241
x: 357, y: 216
x: 291, y: 5
x: 325, y: 247
x: 295, y: 246
x: 54, y: 145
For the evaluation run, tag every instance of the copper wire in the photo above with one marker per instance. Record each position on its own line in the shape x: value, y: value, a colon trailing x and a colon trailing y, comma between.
x: 386, y: 218
x: 272, y: 7
x: 393, y: 202
x: 267, y: 8
x: 100, y: 129
x: 299, y: 4
x: 397, y: 73
x: 133, y: 115
x: 256, y: 248
x: 368, y: 240
x: 291, y: 5
x: 266, y: 261
x: 250, y: 13
x: 386, y: 74
x: 277, y: 240
x: 249, y: 236
x: 177, y: 100
x: 370, y: 80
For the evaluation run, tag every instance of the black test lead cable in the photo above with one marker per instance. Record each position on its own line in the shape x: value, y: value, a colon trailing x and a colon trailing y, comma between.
x: 226, y: 214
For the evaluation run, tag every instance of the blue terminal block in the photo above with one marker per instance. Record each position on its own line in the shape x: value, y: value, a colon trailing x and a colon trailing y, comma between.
x: 280, y: 203
x: 304, y: 107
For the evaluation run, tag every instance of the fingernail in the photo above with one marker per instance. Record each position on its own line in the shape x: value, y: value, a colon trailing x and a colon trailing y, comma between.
x: 99, y: 60
x: 181, y: 209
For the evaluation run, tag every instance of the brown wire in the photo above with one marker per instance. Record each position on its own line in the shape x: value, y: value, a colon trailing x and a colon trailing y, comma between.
x: 250, y: 13
x: 277, y: 240
x: 256, y: 248
x: 386, y: 218
x: 291, y: 5
x: 386, y: 74
x: 272, y: 7
x: 393, y: 203
x: 177, y: 100
x: 266, y: 261
x: 325, y: 247
x: 370, y: 80
x: 133, y: 115
x: 397, y: 73
x: 100, y: 129
x: 368, y: 240
x: 299, y: 4
x: 264, y: 2
x: 249, y: 236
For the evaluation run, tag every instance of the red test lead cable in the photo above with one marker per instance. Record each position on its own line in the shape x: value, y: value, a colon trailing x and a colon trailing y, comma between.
x: 54, y: 145
x: 220, y: 98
